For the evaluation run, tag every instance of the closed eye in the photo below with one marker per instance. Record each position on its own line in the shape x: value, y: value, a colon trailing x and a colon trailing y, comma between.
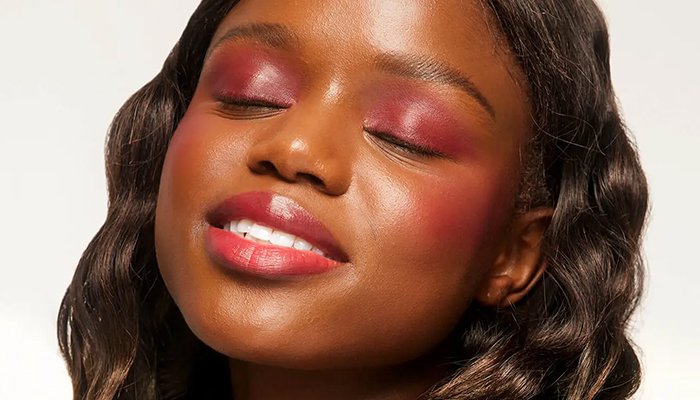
x: 405, y: 146
x: 240, y: 108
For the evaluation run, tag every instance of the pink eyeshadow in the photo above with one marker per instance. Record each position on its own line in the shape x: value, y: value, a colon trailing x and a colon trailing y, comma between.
x: 250, y: 73
x: 419, y: 118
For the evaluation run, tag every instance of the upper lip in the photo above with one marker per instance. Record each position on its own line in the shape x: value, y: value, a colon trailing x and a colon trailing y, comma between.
x: 277, y: 212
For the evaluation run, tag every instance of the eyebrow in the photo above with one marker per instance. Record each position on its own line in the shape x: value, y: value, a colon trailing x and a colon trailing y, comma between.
x: 273, y: 35
x: 429, y: 69
x: 420, y: 67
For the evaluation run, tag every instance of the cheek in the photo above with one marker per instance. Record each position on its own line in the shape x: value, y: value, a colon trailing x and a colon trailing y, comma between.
x: 453, y: 220
x: 462, y: 217
x: 183, y: 160
x: 202, y: 150
x: 425, y: 251
x: 177, y: 198
x: 196, y: 158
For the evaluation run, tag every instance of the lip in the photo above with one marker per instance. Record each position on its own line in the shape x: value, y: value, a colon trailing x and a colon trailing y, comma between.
x: 268, y: 260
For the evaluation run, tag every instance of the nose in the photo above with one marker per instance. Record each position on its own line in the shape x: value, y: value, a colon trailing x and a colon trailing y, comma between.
x: 306, y: 150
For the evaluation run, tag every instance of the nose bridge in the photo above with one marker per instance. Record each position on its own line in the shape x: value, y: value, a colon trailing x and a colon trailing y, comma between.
x: 310, y: 145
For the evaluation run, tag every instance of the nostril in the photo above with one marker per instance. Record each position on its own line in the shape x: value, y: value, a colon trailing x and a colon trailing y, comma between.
x: 265, y: 167
x: 310, y: 178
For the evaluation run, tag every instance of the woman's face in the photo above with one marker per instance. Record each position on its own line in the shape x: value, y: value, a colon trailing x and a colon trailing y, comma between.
x: 384, y: 133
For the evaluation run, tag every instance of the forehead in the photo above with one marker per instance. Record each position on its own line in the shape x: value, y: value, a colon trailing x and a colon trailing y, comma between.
x: 458, y: 31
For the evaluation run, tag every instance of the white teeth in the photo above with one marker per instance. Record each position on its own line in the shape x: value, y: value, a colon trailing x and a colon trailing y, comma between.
x: 301, y: 244
x: 260, y: 232
x: 244, y: 225
x: 263, y: 234
x: 282, y: 239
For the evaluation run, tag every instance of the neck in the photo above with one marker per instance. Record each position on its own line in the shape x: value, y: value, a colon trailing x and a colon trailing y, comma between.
x: 410, y: 381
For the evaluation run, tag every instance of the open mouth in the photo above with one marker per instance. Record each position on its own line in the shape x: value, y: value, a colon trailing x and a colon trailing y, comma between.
x: 258, y: 233
x: 270, y: 235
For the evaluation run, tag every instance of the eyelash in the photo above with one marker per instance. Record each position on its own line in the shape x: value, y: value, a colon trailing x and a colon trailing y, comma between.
x: 251, y: 108
x: 406, y: 146
x: 260, y: 109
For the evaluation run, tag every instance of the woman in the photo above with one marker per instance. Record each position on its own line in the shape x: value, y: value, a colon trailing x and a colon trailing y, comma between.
x: 367, y: 199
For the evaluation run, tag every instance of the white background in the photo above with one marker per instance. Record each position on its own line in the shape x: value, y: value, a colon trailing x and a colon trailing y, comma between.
x: 67, y: 66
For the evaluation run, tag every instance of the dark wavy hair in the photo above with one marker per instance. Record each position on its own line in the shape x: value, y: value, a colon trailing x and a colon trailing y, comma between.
x: 123, y: 337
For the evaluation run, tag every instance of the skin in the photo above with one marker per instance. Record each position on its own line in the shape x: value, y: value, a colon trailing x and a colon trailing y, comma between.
x: 426, y: 235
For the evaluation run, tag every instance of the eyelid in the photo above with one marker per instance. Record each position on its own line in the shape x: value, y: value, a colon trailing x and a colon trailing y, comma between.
x: 252, y: 73
x: 406, y: 146
x: 257, y: 101
x: 245, y: 108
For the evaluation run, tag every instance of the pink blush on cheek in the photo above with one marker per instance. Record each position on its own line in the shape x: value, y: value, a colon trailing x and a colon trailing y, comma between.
x: 253, y: 74
x: 465, y: 215
x: 197, y: 153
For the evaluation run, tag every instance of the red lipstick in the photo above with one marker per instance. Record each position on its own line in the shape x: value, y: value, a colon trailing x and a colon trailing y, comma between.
x: 264, y: 259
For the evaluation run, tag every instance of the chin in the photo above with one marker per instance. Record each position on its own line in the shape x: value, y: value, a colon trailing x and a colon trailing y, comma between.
x: 306, y: 347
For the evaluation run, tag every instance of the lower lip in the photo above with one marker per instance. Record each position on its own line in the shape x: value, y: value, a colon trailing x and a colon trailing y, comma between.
x: 265, y: 260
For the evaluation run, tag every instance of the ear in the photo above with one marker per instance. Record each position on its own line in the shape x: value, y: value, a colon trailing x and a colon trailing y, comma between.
x: 519, y: 264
